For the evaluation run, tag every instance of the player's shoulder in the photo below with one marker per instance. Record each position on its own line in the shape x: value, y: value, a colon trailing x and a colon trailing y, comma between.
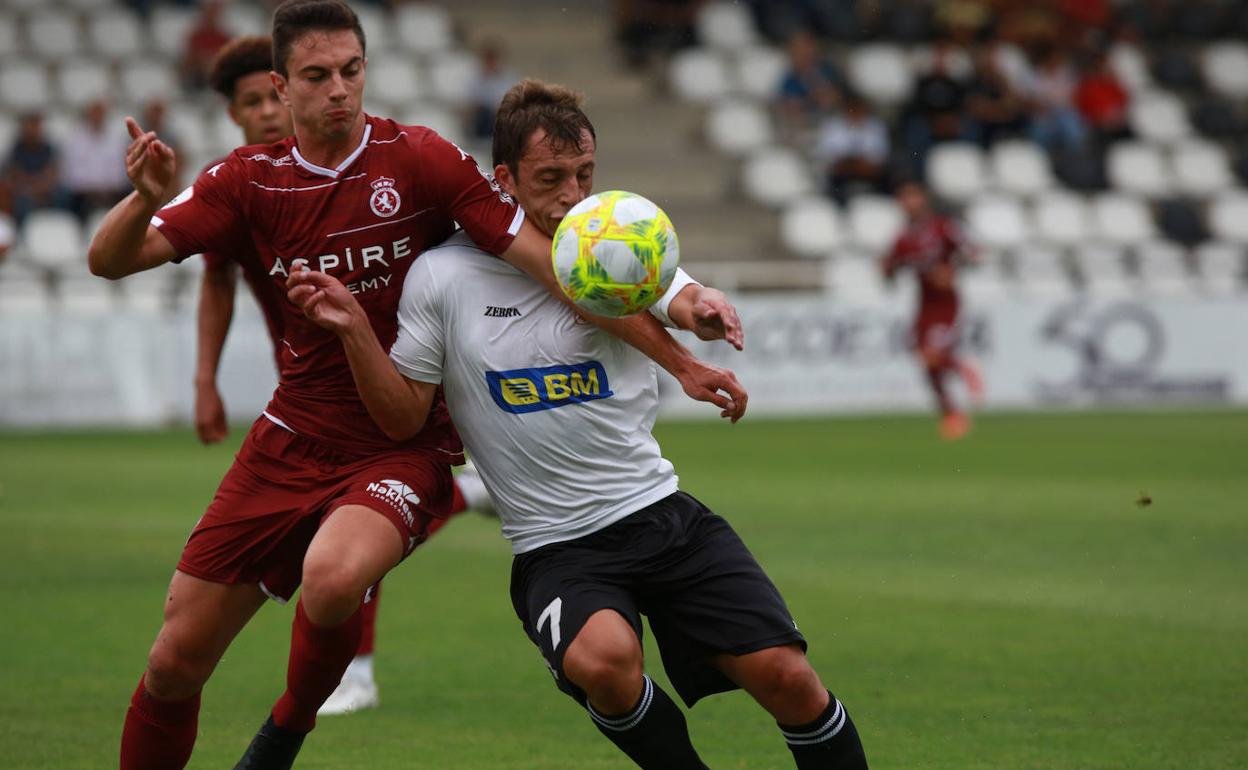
x: 387, y: 131
x: 252, y: 161
x: 456, y: 256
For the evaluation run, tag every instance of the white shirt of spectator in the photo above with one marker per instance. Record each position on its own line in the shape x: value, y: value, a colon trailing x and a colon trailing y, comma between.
x: 840, y: 138
x: 95, y: 161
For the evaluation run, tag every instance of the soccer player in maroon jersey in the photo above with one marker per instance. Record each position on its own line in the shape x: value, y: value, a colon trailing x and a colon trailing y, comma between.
x: 934, y: 247
x: 318, y: 494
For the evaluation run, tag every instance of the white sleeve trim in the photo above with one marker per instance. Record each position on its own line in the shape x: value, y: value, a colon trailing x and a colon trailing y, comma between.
x: 419, y: 375
x: 516, y: 221
x: 680, y: 282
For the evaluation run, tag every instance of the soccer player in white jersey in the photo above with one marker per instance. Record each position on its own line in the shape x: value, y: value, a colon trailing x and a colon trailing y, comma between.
x: 600, y: 532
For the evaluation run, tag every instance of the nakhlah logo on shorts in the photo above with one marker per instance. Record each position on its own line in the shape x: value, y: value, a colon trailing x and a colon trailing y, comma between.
x: 385, y: 200
x: 399, y: 495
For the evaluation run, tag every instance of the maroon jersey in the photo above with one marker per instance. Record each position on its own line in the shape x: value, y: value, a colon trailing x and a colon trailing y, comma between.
x: 926, y: 246
x: 401, y: 191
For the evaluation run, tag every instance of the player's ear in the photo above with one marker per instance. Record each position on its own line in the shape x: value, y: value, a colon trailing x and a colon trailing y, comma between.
x: 505, y: 179
x: 279, y: 84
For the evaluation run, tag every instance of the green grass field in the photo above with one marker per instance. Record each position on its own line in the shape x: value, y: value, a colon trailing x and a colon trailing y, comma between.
x: 1006, y: 603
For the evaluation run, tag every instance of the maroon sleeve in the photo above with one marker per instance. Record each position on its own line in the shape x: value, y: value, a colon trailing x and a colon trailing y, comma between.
x: 207, y: 216
x: 468, y: 195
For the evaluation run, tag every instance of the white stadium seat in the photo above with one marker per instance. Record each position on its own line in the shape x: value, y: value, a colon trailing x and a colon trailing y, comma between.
x: 437, y: 118
x: 699, y: 75
x: 117, y: 33
x: 957, y: 62
x: 1221, y: 266
x: 881, y: 73
x: 737, y: 127
x: 221, y: 134
x: 453, y: 75
x: 1201, y: 168
x: 856, y: 280
x: 1225, y: 67
x: 1103, y: 269
x: 1162, y: 268
x: 1129, y: 64
x: 186, y: 122
x: 245, y: 19
x: 1158, y: 116
x: 812, y: 227
x: 1138, y: 167
x: 1228, y: 217
x: 726, y: 26
x: 53, y: 34
x: 23, y: 86
x: 396, y: 80
x: 423, y: 27
x: 983, y: 282
x: 957, y: 171
x: 376, y: 23
x: 143, y: 80
x: 23, y: 297
x: 759, y: 71
x: 1122, y: 219
x: 8, y: 34
x: 875, y: 222
x: 1021, y: 167
x: 87, y: 296
x: 1041, y: 271
x: 169, y: 27
x: 53, y: 239
x: 775, y: 176
x: 81, y: 81
x: 998, y: 222
x: 1061, y: 218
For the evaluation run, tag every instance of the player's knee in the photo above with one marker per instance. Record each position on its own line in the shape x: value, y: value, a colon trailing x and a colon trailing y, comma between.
x: 787, y: 677
x: 608, y: 672
x: 174, y: 673
x: 331, y: 590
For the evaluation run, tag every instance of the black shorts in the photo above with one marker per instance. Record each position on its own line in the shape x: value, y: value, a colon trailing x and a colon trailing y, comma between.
x: 675, y: 562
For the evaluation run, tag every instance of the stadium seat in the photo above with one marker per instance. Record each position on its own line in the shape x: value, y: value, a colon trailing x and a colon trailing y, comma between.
x: 24, y: 298
x: 984, y: 282
x: 1225, y: 66
x: 169, y: 27
x: 143, y: 80
x: 1129, y: 64
x: 1163, y: 269
x: 186, y: 122
x: 1121, y: 219
x: 699, y: 75
x: 8, y: 34
x: 245, y: 19
x: 453, y: 76
x: 1082, y: 169
x: 775, y: 176
x: 957, y: 62
x: 812, y: 227
x: 437, y: 118
x: 423, y: 27
x: 53, y: 34
x: 1181, y: 222
x: 1175, y: 69
x: 153, y: 290
x: 759, y: 71
x: 1220, y: 266
x: 81, y: 81
x: 1158, y: 117
x: 1041, y: 271
x: 997, y: 222
x: 1102, y: 269
x: 1201, y: 168
x: 396, y: 80
x: 1213, y: 116
x: 1061, y: 218
x: 1139, y: 168
x: 1228, y: 217
x: 725, y: 26
x: 23, y: 86
x: 377, y: 26
x: 957, y: 171
x: 52, y: 239
x: 86, y: 296
x: 881, y: 73
x: 874, y: 222
x: 117, y: 33
x: 856, y: 280
x: 737, y: 127
x: 1021, y: 167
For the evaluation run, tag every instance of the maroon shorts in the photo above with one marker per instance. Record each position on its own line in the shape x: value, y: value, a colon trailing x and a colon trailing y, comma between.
x: 281, y: 486
x: 936, y: 328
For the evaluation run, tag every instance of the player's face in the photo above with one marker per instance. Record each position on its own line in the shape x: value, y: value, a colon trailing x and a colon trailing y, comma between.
x: 257, y: 110
x: 550, y: 180
x: 913, y: 201
x: 325, y: 86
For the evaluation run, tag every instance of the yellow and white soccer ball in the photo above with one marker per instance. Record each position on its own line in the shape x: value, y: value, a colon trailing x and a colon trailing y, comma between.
x: 615, y: 253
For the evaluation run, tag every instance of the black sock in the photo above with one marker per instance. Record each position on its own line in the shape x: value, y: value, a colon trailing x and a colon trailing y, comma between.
x: 653, y: 734
x: 273, y: 748
x: 830, y: 742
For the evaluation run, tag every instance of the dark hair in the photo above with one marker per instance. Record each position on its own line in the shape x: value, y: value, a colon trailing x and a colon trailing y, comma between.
x: 295, y: 18
x: 240, y: 57
x: 530, y: 105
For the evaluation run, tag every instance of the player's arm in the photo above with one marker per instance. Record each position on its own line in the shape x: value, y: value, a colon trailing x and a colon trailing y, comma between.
x: 398, y: 405
x: 127, y: 242
x: 216, y: 311
x: 700, y: 309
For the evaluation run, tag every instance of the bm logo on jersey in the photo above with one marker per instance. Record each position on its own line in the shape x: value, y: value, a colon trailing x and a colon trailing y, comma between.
x: 520, y: 391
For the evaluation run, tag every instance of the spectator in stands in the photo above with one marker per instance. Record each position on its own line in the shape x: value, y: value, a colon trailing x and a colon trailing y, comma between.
x: 8, y: 232
x: 95, y: 162
x: 993, y: 102
x: 812, y: 86
x: 1054, y: 121
x: 156, y: 118
x: 853, y: 148
x: 202, y: 43
x: 32, y: 170
x: 494, y: 80
x: 647, y: 27
x: 937, y: 111
x: 1102, y: 100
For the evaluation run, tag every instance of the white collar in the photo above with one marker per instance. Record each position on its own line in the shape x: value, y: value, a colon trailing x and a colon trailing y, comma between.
x: 333, y: 173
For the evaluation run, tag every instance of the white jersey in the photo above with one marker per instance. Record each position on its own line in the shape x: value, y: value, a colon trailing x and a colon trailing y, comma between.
x: 556, y: 413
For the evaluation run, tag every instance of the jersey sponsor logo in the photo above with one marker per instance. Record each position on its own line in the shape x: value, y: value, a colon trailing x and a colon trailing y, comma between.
x: 493, y: 311
x: 285, y: 160
x: 385, y: 200
x: 520, y: 391
x: 400, y: 496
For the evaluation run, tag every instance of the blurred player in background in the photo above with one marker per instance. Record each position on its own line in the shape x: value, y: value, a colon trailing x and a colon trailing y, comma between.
x: 318, y: 494
x: 600, y: 531
x: 933, y: 246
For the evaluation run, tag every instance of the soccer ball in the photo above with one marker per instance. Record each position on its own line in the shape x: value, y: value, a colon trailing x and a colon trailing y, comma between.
x: 615, y: 253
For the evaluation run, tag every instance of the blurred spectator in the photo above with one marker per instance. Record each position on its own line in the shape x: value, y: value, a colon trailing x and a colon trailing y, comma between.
x: 156, y: 118
x: 1102, y: 101
x: 646, y: 27
x: 202, y: 43
x: 779, y: 20
x: 492, y: 83
x: 937, y: 111
x: 95, y: 162
x: 8, y: 229
x: 964, y: 19
x: 853, y: 148
x: 1054, y: 123
x: 812, y: 86
x: 993, y: 102
x: 32, y: 170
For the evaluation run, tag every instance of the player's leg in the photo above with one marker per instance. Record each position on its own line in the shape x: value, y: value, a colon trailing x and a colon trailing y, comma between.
x: 358, y: 689
x: 201, y: 619
x: 816, y: 726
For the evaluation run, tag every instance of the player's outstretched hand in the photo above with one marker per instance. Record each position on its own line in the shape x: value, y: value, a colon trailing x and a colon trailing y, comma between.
x: 716, y: 385
x: 150, y: 163
x: 324, y: 300
x: 714, y: 318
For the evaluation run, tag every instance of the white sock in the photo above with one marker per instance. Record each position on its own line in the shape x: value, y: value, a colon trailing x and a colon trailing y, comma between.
x: 361, y: 668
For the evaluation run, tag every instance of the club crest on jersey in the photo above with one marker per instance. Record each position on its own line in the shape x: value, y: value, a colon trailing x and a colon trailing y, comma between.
x: 385, y: 200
